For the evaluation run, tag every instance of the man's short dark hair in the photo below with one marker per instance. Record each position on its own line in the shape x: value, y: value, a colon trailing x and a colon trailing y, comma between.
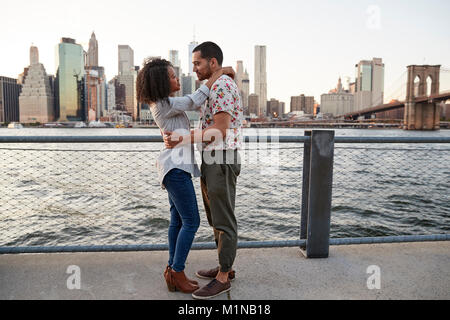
x: 210, y: 50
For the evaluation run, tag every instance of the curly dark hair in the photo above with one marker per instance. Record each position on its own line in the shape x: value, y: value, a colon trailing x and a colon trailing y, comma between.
x: 153, y: 82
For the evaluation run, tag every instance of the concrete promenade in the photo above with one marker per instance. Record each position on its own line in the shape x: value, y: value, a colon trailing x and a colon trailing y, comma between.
x: 408, y: 271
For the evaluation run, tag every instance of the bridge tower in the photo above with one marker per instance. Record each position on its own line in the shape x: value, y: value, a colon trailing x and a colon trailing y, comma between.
x: 424, y: 115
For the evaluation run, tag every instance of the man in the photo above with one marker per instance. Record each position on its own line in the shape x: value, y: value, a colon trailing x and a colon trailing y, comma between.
x: 220, y: 136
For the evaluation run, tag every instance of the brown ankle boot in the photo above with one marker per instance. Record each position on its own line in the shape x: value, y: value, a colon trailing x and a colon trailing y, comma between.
x: 177, y: 281
x: 166, y: 276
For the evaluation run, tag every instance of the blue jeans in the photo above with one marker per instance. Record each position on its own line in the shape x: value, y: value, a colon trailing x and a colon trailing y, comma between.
x: 185, y: 218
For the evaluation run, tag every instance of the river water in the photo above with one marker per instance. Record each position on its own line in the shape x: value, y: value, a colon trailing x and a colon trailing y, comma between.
x: 108, y: 194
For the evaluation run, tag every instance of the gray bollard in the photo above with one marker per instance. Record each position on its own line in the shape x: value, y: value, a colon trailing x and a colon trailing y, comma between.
x: 305, y: 189
x: 320, y: 194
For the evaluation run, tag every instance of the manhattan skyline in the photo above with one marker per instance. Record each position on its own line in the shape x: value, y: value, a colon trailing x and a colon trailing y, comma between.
x: 309, y: 45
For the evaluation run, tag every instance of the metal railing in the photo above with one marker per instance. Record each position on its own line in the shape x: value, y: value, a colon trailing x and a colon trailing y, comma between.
x: 78, y: 194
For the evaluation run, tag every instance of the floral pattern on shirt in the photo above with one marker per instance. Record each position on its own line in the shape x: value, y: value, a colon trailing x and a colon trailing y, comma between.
x: 224, y: 97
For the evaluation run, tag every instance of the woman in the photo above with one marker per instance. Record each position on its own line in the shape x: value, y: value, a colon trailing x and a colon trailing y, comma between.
x: 156, y: 84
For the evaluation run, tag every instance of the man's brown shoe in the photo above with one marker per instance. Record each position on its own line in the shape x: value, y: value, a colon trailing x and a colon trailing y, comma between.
x: 213, y: 289
x: 212, y: 274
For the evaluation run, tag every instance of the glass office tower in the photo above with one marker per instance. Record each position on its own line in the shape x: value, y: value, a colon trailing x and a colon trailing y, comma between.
x: 9, y: 100
x: 369, y: 84
x: 70, y: 79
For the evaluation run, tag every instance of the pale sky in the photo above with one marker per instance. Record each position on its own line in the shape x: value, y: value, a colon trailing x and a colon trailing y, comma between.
x: 309, y: 43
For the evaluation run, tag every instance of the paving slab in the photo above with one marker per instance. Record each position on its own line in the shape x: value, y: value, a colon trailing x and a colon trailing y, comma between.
x: 418, y: 271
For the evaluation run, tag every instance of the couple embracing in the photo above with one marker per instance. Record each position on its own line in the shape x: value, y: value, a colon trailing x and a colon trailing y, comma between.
x: 218, y: 138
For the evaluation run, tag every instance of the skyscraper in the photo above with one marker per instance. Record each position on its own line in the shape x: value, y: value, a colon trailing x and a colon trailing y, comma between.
x: 188, y: 84
x: 92, y: 56
x: 37, y: 98
x: 369, y: 88
x: 95, y: 83
x: 95, y: 92
x: 245, y: 90
x: 243, y: 83
x: 191, y: 48
x: 174, y: 58
x: 70, y: 80
x: 239, y: 74
x: 175, y: 61
x: 126, y: 59
x: 127, y: 76
x: 261, y: 78
x: 9, y: 100
x: 253, y: 106
x: 119, y: 97
x: 111, y: 96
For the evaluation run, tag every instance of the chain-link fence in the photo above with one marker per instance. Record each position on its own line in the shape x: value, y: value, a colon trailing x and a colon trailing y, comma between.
x: 108, y: 194
x: 391, y: 190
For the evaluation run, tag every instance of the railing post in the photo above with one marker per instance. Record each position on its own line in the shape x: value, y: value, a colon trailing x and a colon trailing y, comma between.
x: 305, y: 189
x: 320, y: 194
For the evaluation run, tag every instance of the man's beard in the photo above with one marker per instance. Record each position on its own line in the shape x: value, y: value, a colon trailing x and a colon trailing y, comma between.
x: 205, y: 76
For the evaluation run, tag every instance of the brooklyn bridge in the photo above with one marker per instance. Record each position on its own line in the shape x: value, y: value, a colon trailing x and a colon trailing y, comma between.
x: 422, y: 105
x: 415, y: 104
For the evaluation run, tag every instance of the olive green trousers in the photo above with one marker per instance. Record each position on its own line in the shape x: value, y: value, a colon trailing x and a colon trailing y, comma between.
x: 220, y: 170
